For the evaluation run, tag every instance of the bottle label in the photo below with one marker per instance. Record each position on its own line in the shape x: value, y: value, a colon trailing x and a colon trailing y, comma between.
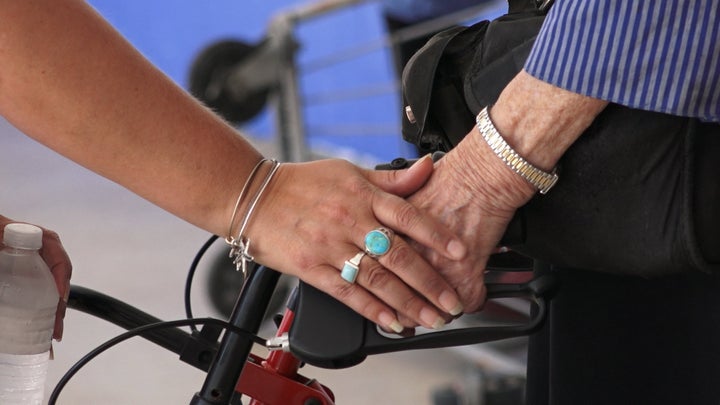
x: 24, y: 331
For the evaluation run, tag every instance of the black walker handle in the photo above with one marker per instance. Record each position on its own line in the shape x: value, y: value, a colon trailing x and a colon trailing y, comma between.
x: 328, y: 334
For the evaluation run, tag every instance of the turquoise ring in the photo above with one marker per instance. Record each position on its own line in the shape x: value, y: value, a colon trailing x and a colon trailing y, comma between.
x: 352, y: 266
x: 378, y: 242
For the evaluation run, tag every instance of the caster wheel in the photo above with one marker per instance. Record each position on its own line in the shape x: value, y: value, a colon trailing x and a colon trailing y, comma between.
x: 446, y: 396
x: 224, y: 283
x: 208, y: 81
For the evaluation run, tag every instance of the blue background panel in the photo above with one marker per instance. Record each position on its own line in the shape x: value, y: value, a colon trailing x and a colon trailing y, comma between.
x: 350, y: 107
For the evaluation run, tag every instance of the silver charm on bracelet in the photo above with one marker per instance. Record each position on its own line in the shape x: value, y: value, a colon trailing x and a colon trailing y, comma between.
x: 240, y: 255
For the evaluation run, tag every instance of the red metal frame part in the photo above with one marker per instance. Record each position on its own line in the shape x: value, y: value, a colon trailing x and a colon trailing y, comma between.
x: 275, y: 381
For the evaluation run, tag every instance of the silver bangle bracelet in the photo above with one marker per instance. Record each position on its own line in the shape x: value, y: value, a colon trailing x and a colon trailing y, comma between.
x: 240, y: 246
x: 243, y: 191
x: 540, y: 179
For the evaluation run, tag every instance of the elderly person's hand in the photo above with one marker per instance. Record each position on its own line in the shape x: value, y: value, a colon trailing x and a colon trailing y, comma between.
x: 476, y: 194
x: 59, y: 263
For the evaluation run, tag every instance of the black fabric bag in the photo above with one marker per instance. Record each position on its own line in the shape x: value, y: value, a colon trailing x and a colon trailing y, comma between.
x: 636, y: 195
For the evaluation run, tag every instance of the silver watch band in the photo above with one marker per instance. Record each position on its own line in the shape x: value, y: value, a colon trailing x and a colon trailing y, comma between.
x: 542, y: 180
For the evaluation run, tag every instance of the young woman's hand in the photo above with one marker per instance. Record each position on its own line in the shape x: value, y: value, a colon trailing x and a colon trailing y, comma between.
x: 315, y: 216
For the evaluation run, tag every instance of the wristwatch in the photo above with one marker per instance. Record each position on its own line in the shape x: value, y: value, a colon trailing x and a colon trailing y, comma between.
x: 542, y: 180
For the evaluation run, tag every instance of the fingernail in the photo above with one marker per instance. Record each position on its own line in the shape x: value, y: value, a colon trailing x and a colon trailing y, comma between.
x: 395, y: 326
x: 422, y: 159
x: 390, y: 321
x: 431, y: 318
x: 456, y: 249
x: 450, y: 303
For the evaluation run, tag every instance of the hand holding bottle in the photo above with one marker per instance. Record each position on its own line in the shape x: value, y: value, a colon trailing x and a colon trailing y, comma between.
x: 54, y: 255
x: 28, y: 312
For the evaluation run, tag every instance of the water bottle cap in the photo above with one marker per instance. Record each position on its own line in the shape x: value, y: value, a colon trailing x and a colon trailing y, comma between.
x: 23, y: 236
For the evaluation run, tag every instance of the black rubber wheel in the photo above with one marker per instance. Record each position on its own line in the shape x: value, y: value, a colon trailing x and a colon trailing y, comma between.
x: 224, y: 283
x: 446, y: 396
x: 208, y: 81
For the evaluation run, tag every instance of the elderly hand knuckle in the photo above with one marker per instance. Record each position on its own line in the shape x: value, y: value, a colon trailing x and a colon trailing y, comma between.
x: 472, y: 295
x: 438, y: 238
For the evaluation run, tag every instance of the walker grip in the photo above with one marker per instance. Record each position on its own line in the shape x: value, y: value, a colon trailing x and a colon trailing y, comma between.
x: 326, y: 333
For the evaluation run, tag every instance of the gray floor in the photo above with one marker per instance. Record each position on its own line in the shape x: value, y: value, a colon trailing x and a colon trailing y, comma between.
x: 127, y: 248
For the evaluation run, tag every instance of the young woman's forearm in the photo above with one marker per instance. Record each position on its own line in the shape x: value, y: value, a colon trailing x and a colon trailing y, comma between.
x: 71, y: 82
x: 104, y: 106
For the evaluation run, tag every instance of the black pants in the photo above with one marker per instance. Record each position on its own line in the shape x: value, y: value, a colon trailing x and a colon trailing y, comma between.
x: 626, y: 340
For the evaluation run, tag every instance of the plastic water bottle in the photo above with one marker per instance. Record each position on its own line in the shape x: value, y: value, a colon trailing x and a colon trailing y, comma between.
x: 28, y: 301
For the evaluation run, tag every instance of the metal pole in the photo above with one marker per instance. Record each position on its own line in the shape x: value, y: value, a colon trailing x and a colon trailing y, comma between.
x: 219, y: 385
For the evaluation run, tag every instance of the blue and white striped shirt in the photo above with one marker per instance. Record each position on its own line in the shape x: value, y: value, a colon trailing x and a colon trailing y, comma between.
x: 654, y: 55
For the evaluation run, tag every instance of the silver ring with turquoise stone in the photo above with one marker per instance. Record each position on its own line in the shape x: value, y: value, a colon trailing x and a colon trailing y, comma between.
x: 352, y: 266
x: 378, y: 242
